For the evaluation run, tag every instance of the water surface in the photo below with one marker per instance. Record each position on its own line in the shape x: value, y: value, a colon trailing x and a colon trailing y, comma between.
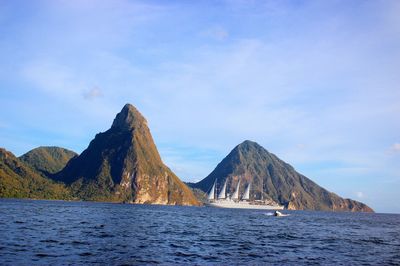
x: 72, y: 233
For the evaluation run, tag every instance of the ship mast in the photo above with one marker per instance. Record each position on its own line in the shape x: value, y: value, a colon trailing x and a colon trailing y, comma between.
x: 262, y: 189
x: 216, y: 188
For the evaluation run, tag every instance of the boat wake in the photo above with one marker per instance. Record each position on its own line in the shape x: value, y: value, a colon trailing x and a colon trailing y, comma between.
x: 279, y: 214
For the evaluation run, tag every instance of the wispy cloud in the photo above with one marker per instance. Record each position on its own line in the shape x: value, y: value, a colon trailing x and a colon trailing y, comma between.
x: 208, y: 77
x: 360, y: 195
x: 93, y: 93
x: 395, y: 148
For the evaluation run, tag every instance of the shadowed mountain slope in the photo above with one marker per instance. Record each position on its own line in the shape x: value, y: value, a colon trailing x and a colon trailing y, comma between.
x: 123, y: 164
x: 277, y: 180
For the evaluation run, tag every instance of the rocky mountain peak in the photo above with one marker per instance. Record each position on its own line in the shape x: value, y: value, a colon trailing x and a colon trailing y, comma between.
x: 129, y: 118
x: 275, y: 179
x: 249, y: 147
x: 123, y: 164
x: 247, y: 144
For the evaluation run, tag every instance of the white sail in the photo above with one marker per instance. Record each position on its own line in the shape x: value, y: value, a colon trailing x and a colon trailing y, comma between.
x: 211, y: 194
x: 262, y: 189
x: 222, y: 194
x: 236, y: 193
x: 246, y: 195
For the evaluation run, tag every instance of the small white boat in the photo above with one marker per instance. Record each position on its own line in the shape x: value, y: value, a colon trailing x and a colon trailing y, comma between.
x: 278, y: 213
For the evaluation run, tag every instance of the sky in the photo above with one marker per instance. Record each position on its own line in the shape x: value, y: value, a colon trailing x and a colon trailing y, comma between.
x: 315, y: 82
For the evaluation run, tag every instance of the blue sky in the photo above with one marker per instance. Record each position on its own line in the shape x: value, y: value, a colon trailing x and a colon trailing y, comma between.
x: 315, y: 82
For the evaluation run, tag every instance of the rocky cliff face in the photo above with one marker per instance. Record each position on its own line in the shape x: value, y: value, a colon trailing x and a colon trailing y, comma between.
x: 123, y: 164
x: 276, y: 180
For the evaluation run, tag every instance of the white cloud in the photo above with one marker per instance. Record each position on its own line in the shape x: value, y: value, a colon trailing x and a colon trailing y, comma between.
x: 93, y: 93
x: 313, y: 85
x: 360, y: 195
x: 396, y: 147
x: 300, y: 146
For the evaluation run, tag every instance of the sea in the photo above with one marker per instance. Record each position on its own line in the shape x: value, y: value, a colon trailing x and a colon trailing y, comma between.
x: 37, y: 232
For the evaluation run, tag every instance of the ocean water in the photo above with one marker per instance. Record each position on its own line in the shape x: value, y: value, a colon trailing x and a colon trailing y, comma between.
x: 75, y: 233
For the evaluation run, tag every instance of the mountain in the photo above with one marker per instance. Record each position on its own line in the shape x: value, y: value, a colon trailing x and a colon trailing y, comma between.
x: 250, y: 162
x: 123, y: 165
x: 47, y: 160
x: 18, y: 180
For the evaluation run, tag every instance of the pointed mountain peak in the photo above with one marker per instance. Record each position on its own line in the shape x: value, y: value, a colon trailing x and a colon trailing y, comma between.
x: 128, y: 118
x: 123, y: 164
x: 248, y: 143
x: 249, y: 146
x: 271, y: 177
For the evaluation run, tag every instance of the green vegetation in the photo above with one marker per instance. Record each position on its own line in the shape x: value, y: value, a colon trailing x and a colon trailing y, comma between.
x: 18, y: 180
x: 47, y: 160
x: 123, y: 165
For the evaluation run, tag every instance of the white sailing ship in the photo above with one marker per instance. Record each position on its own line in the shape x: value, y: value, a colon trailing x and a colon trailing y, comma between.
x: 222, y: 200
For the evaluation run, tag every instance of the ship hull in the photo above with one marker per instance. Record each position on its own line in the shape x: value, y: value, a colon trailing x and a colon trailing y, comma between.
x: 243, y: 205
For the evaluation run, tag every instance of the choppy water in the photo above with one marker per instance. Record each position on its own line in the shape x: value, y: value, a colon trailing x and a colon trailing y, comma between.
x: 56, y: 232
